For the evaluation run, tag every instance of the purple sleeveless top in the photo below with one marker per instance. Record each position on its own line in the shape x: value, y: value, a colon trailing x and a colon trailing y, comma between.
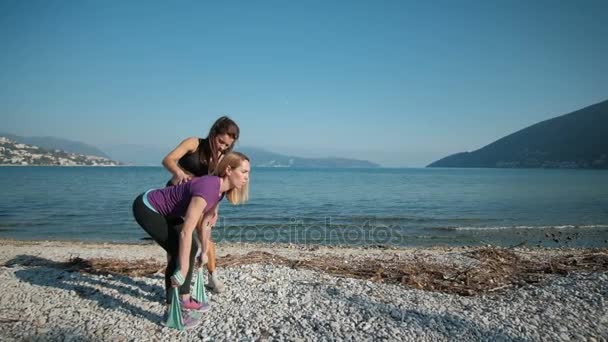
x: 174, y: 200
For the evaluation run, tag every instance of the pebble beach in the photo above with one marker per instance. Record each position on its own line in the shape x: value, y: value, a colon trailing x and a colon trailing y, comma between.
x: 43, y: 300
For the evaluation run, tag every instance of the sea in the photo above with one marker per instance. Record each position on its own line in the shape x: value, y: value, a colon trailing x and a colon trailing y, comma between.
x: 353, y: 207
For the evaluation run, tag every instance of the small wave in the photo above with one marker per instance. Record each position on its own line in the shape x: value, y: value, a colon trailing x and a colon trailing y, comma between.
x: 263, y: 219
x: 567, y: 226
x: 22, y: 224
x: 388, y: 219
x: 68, y: 215
x: 283, y: 226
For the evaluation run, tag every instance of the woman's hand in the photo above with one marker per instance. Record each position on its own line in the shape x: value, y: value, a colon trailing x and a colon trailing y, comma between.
x: 202, y: 232
x: 203, y: 259
x: 212, y: 220
x: 180, y: 177
x: 175, y: 282
x: 170, y: 162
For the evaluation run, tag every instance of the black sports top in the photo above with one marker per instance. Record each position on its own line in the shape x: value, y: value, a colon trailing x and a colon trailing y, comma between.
x: 195, y: 162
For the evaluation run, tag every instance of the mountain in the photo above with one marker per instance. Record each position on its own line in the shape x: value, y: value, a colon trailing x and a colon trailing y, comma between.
x: 152, y: 156
x: 262, y: 158
x: 140, y: 155
x: 148, y: 155
x: 52, y: 143
x: 574, y: 140
x: 15, y: 153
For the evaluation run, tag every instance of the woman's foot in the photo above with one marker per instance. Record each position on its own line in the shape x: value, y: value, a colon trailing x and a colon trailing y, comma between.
x: 189, y: 319
x: 215, y: 284
x: 194, y: 305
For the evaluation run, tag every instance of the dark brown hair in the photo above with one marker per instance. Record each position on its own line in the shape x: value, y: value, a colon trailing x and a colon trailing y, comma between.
x: 223, y: 125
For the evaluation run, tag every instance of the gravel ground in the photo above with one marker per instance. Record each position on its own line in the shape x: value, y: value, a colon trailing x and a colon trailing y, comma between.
x: 43, y: 301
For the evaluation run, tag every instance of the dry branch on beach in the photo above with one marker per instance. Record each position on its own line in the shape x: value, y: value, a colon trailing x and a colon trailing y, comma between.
x: 493, y: 268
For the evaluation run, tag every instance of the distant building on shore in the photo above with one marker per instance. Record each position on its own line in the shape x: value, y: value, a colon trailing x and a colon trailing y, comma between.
x: 13, y: 153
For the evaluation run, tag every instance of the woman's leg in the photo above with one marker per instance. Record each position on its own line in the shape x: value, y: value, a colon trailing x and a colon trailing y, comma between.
x: 172, y: 223
x: 167, y: 237
x: 211, y: 257
x: 214, y: 284
x: 156, y: 226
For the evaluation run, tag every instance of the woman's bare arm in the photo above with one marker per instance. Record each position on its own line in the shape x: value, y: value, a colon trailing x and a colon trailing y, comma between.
x: 193, y: 215
x: 189, y: 145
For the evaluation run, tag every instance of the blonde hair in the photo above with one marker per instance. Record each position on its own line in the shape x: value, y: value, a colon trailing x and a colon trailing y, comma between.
x: 233, y: 160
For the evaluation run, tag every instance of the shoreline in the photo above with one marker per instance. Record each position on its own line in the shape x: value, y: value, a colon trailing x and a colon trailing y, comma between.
x: 309, y: 246
x: 63, y: 290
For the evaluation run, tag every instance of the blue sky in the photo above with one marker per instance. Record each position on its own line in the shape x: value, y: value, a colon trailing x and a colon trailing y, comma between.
x: 401, y: 83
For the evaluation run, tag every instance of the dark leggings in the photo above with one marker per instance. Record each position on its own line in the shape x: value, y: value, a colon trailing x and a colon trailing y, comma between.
x: 167, y: 237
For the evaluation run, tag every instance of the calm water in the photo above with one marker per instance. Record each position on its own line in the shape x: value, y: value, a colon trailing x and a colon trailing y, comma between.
x: 329, y: 206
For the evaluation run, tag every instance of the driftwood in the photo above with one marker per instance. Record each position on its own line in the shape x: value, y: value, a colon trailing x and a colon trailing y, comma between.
x: 496, y: 269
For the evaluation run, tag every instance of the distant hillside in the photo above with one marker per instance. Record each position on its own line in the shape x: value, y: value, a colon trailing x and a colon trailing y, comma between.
x: 263, y: 158
x: 147, y: 155
x: 52, y: 143
x: 140, y: 155
x: 14, y: 153
x: 574, y: 140
x: 152, y: 156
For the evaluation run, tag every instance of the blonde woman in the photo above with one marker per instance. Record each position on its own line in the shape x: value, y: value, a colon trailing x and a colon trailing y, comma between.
x: 195, y: 202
